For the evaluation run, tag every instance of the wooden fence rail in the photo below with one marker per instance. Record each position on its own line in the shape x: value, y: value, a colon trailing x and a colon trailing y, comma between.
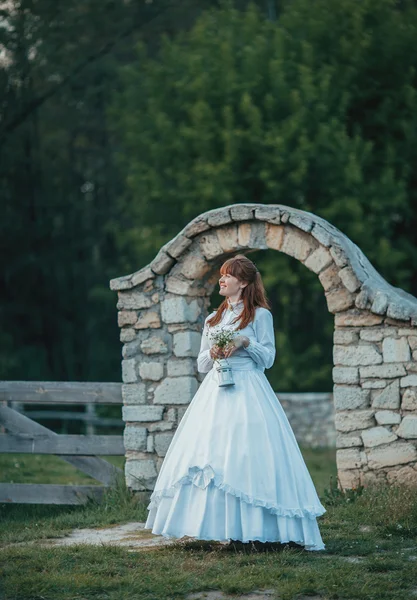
x: 23, y: 435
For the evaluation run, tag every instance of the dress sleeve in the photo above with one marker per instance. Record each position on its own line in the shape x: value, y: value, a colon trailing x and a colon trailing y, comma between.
x: 204, y: 360
x: 262, y: 350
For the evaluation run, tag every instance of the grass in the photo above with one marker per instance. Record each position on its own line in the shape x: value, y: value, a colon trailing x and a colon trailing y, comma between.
x: 44, y: 468
x: 370, y: 537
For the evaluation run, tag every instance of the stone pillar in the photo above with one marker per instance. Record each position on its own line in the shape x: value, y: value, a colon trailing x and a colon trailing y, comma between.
x: 375, y: 394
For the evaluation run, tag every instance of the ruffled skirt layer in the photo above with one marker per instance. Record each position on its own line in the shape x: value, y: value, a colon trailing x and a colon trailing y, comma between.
x: 234, y: 470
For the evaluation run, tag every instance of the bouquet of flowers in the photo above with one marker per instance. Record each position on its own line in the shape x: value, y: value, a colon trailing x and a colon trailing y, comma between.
x: 222, y: 337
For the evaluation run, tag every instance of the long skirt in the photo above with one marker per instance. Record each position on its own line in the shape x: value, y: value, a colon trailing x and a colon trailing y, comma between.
x: 234, y: 470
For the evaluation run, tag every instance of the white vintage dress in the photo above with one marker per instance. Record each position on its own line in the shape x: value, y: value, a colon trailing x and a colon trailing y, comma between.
x: 233, y: 470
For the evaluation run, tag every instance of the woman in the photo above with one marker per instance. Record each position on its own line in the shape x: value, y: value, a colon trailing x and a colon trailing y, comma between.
x: 233, y: 470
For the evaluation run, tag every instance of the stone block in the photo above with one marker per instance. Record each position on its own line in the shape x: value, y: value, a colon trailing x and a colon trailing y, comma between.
x: 210, y: 246
x: 134, y: 393
x: 142, y: 414
x: 274, y: 236
x: 389, y: 397
x: 176, y: 390
x: 227, y: 237
x: 408, y: 427
x: 172, y: 414
x: 244, y: 233
x: 411, y: 367
x: 372, y: 335
x: 218, y: 217
x: 270, y: 213
x: 258, y: 236
x: 347, y: 336
x: 339, y: 300
x: 150, y: 446
x: 181, y: 366
x: 357, y: 318
x: 352, y: 420
x: 409, y: 400
x: 176, y: 285
x: 178, y: 245
x: 344, y: 440
x: 126, y: 317
x: 376, y: 436
x: 149, y: 319
x: 142, y: 275
x: 348, y: 458
x: 345, y: 375
x: 318, y: 260
x: 127, y: 334
x: 196, y: 226
x: 387, y: 417
x: 121, y: 283
x: 380, y: 303
x: 297, y: 243
x: 302, y: 221
x: 322, y: 235
x: 374, y: 384
x: 349, y: 479
x: 409, y: 381
x: 356, y: 356
x: 187, y: 344
x: 162, y: 442
x: 329, y: 277
x: 350, y: 397
x: 407, y: 331
x: 412, y: 340
x: 396, y: 350
x: 161, y: 426
x: 134, y: 438
x: 129, y: 370
x: 363, y: 300
x: 140, y: 473
x: 154, y: 345
x: 151, y: 370
x: 349, y: 279
x: 133, y: 300
x: 193, y: 265
x: 404, y: 476
x: 181, y: 412
x: 177, y: 310
x: 131, y: 349
x: 242, y: 212
x: 386, y: 371
x: 162, y: 263
x: 339, y: 256
x: 396, y: 453
x: 399, y: 310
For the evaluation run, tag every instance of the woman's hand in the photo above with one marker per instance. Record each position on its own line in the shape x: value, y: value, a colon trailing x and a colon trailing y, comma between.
x: 240, y: 341
x: 216, y: 352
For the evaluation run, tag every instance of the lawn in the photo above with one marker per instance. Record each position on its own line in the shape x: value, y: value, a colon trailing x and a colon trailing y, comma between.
x: 370, y: 537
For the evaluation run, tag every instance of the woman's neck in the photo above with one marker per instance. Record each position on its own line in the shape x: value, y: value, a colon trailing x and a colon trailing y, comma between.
x: 234, y: 300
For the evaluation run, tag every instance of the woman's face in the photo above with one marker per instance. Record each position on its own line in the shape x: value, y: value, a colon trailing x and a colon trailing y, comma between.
x: 230, y: 285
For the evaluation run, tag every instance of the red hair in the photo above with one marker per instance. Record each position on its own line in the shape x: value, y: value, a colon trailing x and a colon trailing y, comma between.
x: 253, y: 294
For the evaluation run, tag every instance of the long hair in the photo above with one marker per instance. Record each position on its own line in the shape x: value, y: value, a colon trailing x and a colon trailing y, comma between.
x: 253, y: 294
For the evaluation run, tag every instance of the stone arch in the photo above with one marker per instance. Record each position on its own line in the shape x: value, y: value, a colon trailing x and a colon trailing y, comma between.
x: 161, y: 313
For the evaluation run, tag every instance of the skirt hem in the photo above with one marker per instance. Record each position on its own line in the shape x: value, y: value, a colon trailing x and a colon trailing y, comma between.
x: 244, y: 541
x: 201, y: 477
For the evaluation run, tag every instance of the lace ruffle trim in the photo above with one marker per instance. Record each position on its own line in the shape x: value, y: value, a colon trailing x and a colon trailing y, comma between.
x: 201, y: 477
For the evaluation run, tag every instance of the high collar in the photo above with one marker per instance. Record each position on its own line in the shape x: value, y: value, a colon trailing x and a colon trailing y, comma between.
x: 234, y: 305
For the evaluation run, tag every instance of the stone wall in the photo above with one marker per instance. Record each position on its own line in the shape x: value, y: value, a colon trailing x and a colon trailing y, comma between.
x: 375, y: 397
x: 161, y: 311
x: 311, y: 416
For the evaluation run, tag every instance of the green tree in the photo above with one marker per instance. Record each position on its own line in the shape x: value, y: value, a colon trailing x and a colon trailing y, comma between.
x: 316, y: 110
x: 60, y: 222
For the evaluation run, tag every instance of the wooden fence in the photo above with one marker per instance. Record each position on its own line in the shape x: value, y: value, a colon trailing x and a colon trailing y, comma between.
x: 23, y: 435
